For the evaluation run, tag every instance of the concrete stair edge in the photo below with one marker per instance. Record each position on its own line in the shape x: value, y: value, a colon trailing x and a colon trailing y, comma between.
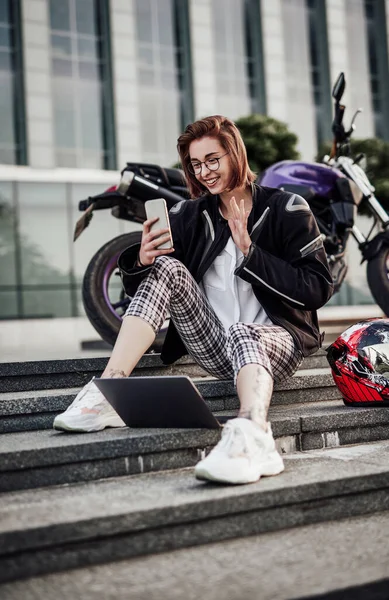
x: 324, y: 574
x: 15, y: 377
x: 45, y: 458
x: 60, y: 528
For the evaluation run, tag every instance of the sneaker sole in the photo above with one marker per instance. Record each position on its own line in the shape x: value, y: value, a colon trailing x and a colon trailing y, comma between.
x: 63, y: 426
x: 269, y: 470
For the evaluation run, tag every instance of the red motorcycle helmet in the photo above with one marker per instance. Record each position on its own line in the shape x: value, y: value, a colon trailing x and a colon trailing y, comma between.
x: 359, y: 360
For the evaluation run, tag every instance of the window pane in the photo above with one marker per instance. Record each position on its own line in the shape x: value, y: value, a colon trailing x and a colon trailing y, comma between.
x: 12, y: 127
x: 60, y: 15
x: 4, y: 11
x: 165, y: 22
x: 47, y: 303
x: 5, y: 61
x: 87, y: 48
x: 7, y: 236
x: 232, y: 84
x: 89, y: 99
x: 5, y: 36
x: 44, y: 233
x: 159, y: 81
x: 85, y: 16
x: 64, y: 114
x: 144, y: 30
x: 300, y: 108
x: 8, y: 304
x: 7, y: 110
x: 89, y: 70
x: 62, y: 68
x: 79, y: 113
x: 61, y: 46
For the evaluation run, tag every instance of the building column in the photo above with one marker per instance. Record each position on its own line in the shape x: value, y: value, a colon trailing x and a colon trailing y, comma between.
x: 203, y: 58
x: 125, y: 81
x: 274, y: 59
x: 37, y: 73
x: 348, y: 52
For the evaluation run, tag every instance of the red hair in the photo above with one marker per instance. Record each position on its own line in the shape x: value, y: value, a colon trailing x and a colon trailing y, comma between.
x: 227, y: 133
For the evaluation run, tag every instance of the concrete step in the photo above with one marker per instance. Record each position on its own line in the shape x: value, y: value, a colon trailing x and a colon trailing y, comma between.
x: 21, y: 411
x: 43, y: 458
x: 55, y: 374
x: 59, y: 528
x: 260, y: 567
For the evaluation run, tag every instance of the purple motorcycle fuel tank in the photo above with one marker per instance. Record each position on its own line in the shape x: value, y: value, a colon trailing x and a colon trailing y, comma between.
x: 318, y: 179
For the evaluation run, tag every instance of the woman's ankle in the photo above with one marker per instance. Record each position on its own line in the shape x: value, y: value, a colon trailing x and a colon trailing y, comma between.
x: 110, y: 373
x: 260, y: 421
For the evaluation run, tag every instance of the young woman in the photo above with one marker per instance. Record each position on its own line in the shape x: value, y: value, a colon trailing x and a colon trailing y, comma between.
x: 247, y: 272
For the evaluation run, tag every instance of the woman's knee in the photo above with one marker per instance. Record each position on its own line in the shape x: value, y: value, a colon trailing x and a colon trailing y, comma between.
x: 168, y: 264
x: 241, y: 334
x: 237, y: 331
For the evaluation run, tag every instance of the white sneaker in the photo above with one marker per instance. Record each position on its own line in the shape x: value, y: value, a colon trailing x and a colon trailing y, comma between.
x: 244, y: 454
x: 89, y: 411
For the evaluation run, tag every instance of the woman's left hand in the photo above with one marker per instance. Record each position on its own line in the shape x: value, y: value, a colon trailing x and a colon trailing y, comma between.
x: 238, y: 225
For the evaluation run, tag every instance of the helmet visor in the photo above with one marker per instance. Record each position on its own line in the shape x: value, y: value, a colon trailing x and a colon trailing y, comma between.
x: 378, y: 356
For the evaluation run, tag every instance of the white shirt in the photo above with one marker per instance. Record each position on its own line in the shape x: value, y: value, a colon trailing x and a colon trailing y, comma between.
x: 232, y: 298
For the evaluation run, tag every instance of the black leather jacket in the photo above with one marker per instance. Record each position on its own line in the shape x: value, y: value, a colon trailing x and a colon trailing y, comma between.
x: 286, y: 264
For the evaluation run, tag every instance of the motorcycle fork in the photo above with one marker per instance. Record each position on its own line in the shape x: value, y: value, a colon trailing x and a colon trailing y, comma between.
x: 379, y: 215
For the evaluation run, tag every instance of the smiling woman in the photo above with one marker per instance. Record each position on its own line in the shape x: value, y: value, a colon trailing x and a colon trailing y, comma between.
x: 241, y: 296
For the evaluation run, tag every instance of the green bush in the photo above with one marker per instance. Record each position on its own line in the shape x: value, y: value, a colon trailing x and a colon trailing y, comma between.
x: 267, y: 141
x: 377, y: 169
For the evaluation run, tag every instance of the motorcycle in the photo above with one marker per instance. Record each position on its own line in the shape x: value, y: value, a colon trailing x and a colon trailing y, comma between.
x: 334, y: 189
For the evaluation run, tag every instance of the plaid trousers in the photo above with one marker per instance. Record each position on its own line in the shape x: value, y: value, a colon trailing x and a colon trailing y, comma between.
x: 169, y: 287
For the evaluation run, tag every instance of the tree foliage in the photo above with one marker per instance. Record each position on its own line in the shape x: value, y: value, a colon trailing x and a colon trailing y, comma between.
x: 377, y: 161
x: 267, y: 141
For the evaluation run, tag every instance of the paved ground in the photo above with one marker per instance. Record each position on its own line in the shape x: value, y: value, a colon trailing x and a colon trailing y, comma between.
x: 45, y: 339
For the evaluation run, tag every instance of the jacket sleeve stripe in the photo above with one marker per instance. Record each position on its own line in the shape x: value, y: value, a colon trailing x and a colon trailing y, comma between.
x: 314, y: 243
x: 272, y: 288
x: 261, y: 218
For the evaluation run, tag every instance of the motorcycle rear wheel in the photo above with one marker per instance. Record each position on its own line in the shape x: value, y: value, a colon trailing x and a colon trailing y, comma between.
x: 378, y: 278
x: 105, y: 315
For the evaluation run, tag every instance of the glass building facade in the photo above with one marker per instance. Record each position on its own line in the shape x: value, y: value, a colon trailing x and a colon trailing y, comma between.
x: 181, y: 60
x: 41, y: 269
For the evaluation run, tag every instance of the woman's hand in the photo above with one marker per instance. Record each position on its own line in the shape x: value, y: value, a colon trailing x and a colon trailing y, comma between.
x: 238, y: 225
x: 150, y: 240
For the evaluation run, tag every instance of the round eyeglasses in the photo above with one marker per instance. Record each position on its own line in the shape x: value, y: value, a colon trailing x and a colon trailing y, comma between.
x: 212, y: 164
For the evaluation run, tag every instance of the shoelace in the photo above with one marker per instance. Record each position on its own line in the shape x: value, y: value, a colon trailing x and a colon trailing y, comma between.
x: 234, y: 440
x: 93, y: 395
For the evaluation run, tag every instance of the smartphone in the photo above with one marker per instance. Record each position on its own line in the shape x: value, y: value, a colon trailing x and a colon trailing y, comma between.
x: 158, y: 208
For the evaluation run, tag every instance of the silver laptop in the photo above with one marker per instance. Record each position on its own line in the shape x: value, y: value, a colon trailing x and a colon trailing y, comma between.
x: 169, y: 401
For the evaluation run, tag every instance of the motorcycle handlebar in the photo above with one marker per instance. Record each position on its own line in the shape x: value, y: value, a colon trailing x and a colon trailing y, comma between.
x: 146, y: 190
x: 139, y: 188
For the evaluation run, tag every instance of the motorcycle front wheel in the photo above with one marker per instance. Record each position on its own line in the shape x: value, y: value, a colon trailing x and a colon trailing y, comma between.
x: 104, y: 300
x: 378, y: 279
